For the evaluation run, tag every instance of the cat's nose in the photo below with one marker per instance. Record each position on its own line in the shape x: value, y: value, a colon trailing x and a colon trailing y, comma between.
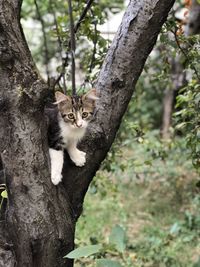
x: 79, y: 125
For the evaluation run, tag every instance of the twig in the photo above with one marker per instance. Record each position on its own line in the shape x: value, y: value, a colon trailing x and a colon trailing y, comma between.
x: 94, y: 49
x: 64, y: 65
x: 85, y: 10
x: 73, y: 47
x: 76, y: 28
x: 59, y: 44
x: 44, y: 37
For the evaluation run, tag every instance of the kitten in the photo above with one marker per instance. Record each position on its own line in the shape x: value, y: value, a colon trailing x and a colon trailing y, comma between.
x: 67, y: 126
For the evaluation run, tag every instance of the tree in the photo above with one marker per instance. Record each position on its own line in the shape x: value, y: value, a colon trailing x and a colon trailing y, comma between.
x: 39, y: 223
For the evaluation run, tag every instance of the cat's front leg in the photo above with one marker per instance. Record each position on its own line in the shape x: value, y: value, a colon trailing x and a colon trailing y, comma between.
x: 77, y: 156
x: 57, y: 158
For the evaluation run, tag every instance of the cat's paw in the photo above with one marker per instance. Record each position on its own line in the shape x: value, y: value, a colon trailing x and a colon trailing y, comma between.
x: 56, y: 178
x: 80, y: 158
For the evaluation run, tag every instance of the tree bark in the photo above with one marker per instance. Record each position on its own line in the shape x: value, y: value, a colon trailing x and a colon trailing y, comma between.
x: 40, y: 219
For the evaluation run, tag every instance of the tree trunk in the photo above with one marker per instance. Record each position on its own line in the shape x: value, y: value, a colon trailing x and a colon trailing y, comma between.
x: 178, y: 80
x: 167, y: 113
x: 39, y: 223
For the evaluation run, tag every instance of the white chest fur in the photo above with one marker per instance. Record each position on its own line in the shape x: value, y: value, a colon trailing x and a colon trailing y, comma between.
x: 70, y: 134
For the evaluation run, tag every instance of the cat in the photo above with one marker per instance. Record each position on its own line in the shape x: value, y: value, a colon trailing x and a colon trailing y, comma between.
x: 67, y: 124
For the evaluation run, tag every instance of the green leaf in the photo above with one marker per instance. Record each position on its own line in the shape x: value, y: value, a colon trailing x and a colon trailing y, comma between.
x: 148, y: 162
x: 4, y: 194
x: 181, y: 125
x: 175, y: 229
x: 107, y: 263
x: 117, y: 238
x: 164, y: 38
x: 83, y: 251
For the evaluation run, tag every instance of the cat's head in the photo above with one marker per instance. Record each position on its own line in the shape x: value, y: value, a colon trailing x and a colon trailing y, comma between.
x: 76, y: 111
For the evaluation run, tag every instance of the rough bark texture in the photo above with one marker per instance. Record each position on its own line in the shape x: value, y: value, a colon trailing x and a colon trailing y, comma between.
x: 39, y: 218
x: 38, y: 226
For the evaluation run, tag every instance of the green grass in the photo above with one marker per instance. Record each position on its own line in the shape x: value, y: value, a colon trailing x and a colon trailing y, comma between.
x: 157, y: 204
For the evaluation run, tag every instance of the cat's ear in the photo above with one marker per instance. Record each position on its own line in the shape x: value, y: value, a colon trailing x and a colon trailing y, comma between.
x: 60, y: 97
x: 91, y: 95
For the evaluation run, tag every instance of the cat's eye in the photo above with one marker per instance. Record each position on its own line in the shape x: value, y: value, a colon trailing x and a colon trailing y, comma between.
x: 84, y: 115
x: 70, y: 116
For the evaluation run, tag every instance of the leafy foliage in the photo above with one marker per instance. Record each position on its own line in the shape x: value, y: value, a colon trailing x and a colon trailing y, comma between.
x: 91, y: 46
x: 189, y: 118
x: 116, y: 243
x: 146, y: 108
x: 84, y: 251
x: 117, y: 238
x: 157, y: 205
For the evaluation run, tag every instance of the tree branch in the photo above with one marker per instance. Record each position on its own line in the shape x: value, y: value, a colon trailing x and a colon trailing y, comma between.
x: 123, y: 64
x: 92, y: 62
x: 84, y: 13
x: 76, y: 28
x: 59, y: 45
x: 73, y: 48
x: 7, y: 257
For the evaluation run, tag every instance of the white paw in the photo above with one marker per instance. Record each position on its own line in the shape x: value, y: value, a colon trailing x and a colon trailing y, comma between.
x: 56, y: 178
x: 80, y: 158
